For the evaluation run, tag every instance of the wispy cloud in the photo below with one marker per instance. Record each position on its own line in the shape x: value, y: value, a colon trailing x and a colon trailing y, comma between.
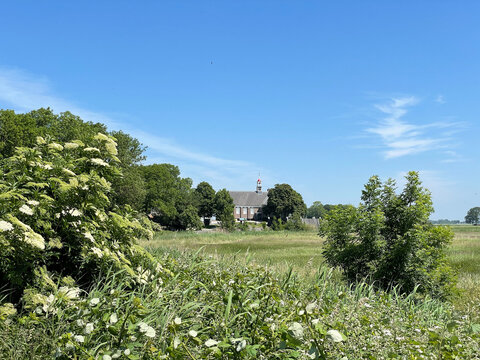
x: 401, y: 138
x: 22, y: 91
x: 440, y: 99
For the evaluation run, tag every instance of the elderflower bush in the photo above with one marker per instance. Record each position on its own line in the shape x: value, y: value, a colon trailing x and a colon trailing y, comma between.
x: 56, y: 217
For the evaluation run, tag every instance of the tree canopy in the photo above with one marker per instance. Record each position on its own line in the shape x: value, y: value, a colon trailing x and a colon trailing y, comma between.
x: 473, y: 216
x: 283, y: 201
x: 390, y: 239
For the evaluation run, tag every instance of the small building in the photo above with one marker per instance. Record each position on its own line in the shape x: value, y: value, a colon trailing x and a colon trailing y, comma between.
x: 248, y: 204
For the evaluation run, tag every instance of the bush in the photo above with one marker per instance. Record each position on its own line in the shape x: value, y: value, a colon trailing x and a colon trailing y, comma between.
x: 389, y: 239
x: 55, y: 215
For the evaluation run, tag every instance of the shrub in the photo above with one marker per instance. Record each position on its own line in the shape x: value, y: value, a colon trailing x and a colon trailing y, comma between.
x: 389, y: 239
x: 56, y: 218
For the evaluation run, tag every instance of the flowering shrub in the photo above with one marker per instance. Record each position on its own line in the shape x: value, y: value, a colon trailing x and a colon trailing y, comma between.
x: 56, y: 217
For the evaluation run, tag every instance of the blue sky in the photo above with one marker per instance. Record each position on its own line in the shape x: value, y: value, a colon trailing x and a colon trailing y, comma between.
x: 320, y: 95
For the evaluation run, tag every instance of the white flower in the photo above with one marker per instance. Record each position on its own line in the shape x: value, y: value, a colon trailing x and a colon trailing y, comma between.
x: 55, y: 146
x: 231, y: 282
x: 94, y: 301
x: 113, y: 318
x: 214, y: 283
x: 127, y: 352
x: 101, y: 136
x: 367, y: 305
x: 40, y: 140
x: 315, y: 321
x: 69, y: 172
x: 5, y: 226
x: 192, y: 333
x: 177, y: 321
x: 147, y: 330
x: 97, y: 252
x: 91, y: 149
x: 334, y: 335
x: 387, y: 332
x: 46, y: 166
x: 241, y: 345
x: 297, y: 330
x: 33, y: 202
x: 310, y: 307
x: 97, y: 161
x: 26, y: 210
x: 89, y: 328
x: 79, y: 338
x: 74, y: 212
x: 106, y: 357
x: 117, y: 354
x: 301, y: 312
x: 70, y: 293
x: 34, y: 239
x: 70, y: 146
x: 89, y: 236
x: 211, y: 342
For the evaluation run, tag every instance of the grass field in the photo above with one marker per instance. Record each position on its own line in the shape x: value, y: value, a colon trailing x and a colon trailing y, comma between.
x: 303, y: 251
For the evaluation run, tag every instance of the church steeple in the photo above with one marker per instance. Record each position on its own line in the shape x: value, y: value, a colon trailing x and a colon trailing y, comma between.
x: 259, y: 185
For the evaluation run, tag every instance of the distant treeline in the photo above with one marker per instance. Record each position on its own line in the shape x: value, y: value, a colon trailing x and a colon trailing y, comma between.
x: 319, y: 210
x: 445, y: 222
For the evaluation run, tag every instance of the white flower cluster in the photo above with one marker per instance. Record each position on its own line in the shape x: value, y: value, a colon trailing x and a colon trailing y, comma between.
x: 91, y: 149
x: 26, y: 209
x: 55, y: 146
x: 34, y: 239
x: 89, y: 236
x: 97, y: 161
x: 97, y: 252
x: 68, y: 172
x: 33, y: 202
x: 70, y: 146
x: 5, y: 226
x: 147, y: 330
x: 70, y: 293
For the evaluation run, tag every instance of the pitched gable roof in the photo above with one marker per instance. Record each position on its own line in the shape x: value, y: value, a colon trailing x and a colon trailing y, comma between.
x: 249, y: 198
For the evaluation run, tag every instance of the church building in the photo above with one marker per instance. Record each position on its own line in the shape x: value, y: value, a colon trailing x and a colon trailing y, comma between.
x: 248, y: 204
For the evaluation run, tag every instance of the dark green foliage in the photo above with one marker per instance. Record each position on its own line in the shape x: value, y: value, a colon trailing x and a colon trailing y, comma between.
x: 169, y: 196
x: 473, y: 216
x: 318, y: 210
x: 204, y: 197
x: 390, y: 239
x: 283, y: 201
x: 129, y: 188
x: 223, y: 209
x: 22, y: 129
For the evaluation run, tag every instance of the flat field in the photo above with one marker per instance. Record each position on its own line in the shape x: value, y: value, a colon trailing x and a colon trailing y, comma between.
x: 303, y: 251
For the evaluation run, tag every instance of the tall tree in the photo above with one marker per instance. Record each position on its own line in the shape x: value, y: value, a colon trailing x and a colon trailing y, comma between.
x: 169, y: 196
x: 473, y: 216
x: 223, y: 209
x: 204, y: 196
x: 316, y: 210
x: 283, y: 201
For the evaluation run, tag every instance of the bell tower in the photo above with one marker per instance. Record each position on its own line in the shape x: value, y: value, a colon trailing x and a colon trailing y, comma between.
x: 259, y: 186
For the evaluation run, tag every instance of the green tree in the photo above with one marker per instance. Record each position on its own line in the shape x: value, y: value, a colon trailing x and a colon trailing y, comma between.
x: 223, y: 209
x: 283, y: 201
x: 390, y: 239
x: 316, y: 210
x: 129, y: 189
x: 204, y: 197
x: 473, y: 216
x: 167, y: 195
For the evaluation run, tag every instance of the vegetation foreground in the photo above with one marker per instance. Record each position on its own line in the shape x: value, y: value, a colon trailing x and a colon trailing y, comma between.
x: 231, y: 307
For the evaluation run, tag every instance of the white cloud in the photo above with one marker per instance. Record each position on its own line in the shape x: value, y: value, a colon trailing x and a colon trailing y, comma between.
x: 440, y: 99
x: 401, y: 138
x: 23, y: 92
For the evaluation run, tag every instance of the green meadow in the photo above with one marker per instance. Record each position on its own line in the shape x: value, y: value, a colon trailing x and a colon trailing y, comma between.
x: 303, y: 251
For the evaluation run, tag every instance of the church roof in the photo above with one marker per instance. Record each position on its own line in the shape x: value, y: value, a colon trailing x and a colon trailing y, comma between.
x: 249, y: 198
